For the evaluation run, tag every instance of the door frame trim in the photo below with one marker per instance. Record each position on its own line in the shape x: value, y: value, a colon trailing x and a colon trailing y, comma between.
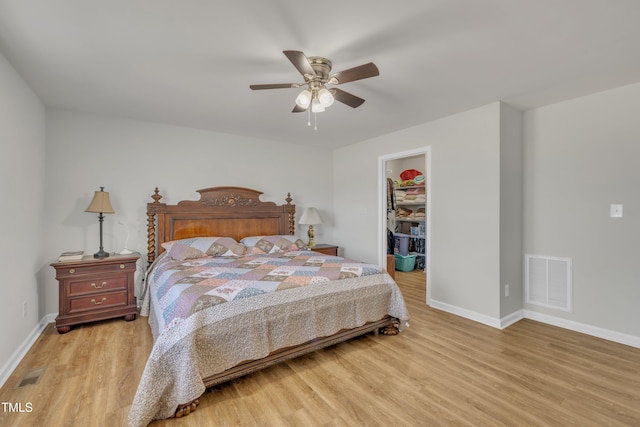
x: 382, y: 203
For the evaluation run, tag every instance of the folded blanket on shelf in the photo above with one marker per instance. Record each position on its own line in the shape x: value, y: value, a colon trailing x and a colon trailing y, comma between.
x: 415, y: 191
x: 403, y: 212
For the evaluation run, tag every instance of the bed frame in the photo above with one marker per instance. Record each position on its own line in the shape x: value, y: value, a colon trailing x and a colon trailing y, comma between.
x: 237, y: 212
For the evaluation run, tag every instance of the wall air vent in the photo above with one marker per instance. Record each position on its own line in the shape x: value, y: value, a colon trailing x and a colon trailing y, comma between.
x: 548, y: 282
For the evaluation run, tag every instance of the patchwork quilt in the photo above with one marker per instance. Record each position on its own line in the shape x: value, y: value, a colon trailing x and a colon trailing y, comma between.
x: 181, y: 288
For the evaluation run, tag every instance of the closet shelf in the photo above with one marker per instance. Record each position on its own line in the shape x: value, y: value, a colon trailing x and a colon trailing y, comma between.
x: 410, y: 220
x: 407, y: 188
x: 410, y: 203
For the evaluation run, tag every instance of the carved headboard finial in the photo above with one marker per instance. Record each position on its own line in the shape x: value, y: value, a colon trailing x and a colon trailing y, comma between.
x: 152, y: 210
x: 156, y: 196
x: 291, y: 211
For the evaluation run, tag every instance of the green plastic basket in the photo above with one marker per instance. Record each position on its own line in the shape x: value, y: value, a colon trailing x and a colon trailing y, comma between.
x: 405, y: 262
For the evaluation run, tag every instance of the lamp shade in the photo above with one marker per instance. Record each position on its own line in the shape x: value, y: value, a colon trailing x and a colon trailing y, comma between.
x: 325, y: 97
x: 304, y: 99
x: 310, y: 216
x: 100, y: 203
x: 316, y: 106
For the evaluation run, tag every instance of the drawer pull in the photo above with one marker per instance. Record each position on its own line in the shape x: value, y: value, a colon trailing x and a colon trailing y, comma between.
x: 99, y: 286
x: 71, y: 271
x: 121, y: 266
x: 98, y: 303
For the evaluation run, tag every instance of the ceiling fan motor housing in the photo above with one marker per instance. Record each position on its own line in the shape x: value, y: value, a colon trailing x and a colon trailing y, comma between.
x: 322, y: 67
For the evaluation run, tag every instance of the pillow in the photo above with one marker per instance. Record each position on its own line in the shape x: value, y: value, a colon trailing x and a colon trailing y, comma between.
x: 198, y: 247
x: 273, y: 244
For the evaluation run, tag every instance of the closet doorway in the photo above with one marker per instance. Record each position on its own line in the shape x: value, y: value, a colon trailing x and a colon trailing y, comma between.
x: 408, y: 215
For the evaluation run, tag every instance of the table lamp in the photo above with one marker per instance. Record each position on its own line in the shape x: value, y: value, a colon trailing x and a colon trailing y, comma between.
x: 100, y: 205
x: 310, y: 217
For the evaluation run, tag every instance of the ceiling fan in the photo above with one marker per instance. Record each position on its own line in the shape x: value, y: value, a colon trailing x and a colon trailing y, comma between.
x: 317, y: 75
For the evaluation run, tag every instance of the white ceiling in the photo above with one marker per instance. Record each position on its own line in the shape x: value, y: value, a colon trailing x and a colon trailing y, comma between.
x: 190, y: 62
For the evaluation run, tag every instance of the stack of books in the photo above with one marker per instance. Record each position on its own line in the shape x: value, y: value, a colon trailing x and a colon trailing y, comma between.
x: 70, y: 256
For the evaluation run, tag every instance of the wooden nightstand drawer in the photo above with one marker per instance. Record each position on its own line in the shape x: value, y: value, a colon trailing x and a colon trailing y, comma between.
x: 96, y: 284
x: 326, y: 249
x: 86, y: 268
x: 99, y: 301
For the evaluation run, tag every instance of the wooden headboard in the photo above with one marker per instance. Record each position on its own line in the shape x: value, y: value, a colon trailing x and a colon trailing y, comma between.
x: 221, y: 212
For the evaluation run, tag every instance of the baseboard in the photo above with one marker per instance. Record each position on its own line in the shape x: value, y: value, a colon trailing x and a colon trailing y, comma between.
x: 595, y: 331
x: 467, y: 314
x: 22, y: 351
x: 514, y: 317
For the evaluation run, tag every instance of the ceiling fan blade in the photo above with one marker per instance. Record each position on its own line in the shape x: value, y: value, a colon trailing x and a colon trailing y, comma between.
x: 300, y: 61
x: 274, y: 86
x: 298, y: 109
x: 346, y: 98
x: 356, y: 73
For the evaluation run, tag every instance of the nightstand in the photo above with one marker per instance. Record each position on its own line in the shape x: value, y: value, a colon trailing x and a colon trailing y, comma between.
x: 95, y: 289
x: 326, y: 249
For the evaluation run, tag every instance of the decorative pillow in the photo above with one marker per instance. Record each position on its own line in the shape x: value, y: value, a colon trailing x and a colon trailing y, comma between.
x: 198, y: 247
x: 273, y: 244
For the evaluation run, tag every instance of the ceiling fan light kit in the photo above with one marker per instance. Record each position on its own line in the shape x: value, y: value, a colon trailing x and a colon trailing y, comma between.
x: 316, y: 72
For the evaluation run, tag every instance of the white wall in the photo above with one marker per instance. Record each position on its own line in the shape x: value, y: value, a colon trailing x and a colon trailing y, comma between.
x: 465, y: 168
x: 581, y: 156
x: 511, y: 176
x: 22, y: 158
x: 130, y: 158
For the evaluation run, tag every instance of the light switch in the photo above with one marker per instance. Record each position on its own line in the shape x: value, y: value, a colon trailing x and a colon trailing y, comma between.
x: 616, y: 211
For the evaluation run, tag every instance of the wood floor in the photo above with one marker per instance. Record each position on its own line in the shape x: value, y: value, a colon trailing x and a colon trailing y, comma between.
x: 442, y: 370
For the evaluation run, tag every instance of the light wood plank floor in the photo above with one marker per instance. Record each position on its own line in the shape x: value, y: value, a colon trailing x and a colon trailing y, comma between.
x: 442, y: 370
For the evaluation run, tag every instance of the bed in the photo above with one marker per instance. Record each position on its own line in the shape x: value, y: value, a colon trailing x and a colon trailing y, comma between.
x: 231, y: 289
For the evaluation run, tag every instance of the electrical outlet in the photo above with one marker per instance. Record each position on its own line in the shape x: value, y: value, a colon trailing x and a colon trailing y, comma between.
x: 506, y: 290
x: 616, y: 211
x: 24, y: 309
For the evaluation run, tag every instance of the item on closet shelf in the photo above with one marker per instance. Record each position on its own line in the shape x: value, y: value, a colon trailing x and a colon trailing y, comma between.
x: 415, y: 191
x: 418, y: 180
x: 409, y: 174
x: 402, y: 243
x: 403, y: 212
x: 405, y: 262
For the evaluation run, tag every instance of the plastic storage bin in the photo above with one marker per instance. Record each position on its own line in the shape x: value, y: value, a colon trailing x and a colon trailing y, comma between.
x: 405, y: 262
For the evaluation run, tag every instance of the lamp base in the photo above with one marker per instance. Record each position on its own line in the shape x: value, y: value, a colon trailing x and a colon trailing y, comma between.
x: 311, y: 243
x: 101, y: 254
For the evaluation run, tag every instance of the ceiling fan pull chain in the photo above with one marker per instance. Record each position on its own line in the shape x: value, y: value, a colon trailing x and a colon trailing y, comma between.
x: 315, y: 117
x: 309, y: 117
